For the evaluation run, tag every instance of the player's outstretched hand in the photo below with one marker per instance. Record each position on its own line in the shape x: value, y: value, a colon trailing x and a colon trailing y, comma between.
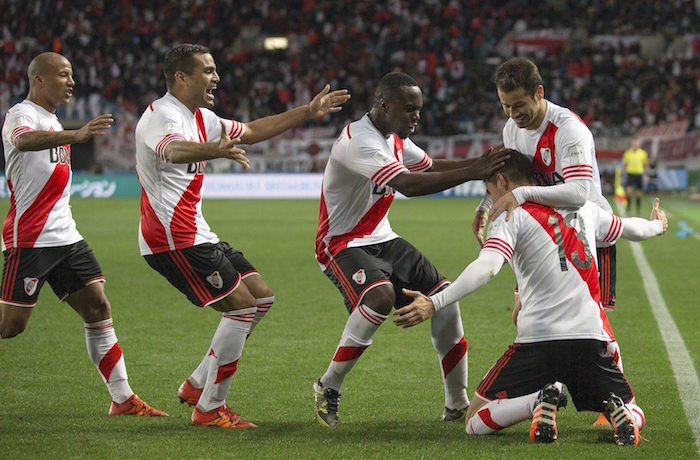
x: 418, y: 311
x: 659, y: 214
x: 95, y: 127
x: 228, y: 149
x: 327, y: 101
x: 505, y: 203
x: 479, y: 226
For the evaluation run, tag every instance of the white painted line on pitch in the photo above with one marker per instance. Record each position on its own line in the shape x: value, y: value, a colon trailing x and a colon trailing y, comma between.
x: 681, y: 364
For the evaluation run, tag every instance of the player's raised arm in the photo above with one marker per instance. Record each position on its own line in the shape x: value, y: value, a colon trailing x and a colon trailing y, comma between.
x: 324, y: 102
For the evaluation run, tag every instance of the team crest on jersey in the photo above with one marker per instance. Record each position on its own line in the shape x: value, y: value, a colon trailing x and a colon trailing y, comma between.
x: 359, y: 277
x: 215, y: 280
x: 30, y: 285
x: 546, y: 155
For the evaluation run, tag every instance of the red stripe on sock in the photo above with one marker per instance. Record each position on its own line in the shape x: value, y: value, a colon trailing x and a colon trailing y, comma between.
x: 454, y: 356
x: 226, y: 371
x: 109, y: 360
x: 485, y: 416
x: 348, y: 353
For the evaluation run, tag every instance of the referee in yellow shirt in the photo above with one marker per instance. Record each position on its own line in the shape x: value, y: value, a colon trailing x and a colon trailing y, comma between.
x: 635, y: 162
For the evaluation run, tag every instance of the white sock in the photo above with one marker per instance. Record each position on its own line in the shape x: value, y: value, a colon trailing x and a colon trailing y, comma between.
x: 501, y: 413
x: 448, y: 340
x: 105, y: 353
x: 226, y: 348
x: 263, y: 305
x: 357, y: 336
x: 637, y: 414
x: 199, y: 376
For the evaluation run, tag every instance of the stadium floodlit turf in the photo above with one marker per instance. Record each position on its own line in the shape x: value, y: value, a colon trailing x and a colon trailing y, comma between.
x: 53, y: 403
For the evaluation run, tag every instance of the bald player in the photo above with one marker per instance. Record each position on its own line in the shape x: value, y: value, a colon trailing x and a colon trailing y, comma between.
x: 40, y: 241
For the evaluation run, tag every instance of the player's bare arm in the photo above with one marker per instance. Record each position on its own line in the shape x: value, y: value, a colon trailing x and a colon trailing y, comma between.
x: 418, y: 311
x: 33, y: 141
x: 189, y: 152
x: 425, y: 183
x: 324, y: 102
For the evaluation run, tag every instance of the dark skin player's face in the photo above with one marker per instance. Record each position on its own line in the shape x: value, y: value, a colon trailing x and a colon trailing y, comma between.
x: 402, y: 112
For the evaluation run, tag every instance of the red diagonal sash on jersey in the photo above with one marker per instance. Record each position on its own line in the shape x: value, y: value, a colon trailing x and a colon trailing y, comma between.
x: 183, y: 226
x: 364, y: 227
x: 571, y: 244
x: 544, y: 160
x: 34, y: 218
x: 151, y: 227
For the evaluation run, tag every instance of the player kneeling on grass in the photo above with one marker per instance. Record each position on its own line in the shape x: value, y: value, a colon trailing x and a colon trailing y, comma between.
x: 560, y: 335
x: 40, y: 241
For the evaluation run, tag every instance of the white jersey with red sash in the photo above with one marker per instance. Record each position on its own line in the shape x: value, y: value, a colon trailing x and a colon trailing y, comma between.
x: 39, y: 184
x: 171, y: 200
x: 552, y: 252
x: 355, y: 199
x: 562, y: 148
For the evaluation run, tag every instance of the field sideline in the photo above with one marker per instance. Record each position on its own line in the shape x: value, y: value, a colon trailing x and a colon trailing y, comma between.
x: 53, y: 403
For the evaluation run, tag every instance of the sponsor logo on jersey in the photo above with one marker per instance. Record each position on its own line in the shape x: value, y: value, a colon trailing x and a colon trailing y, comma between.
x: 215, y: 280
x: 359, y: 277
x: 30, y: 285
x: 546, y: 155
x: 197, y: 168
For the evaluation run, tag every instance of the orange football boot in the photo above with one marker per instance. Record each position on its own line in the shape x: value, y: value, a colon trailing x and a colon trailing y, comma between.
x: 135, y: 406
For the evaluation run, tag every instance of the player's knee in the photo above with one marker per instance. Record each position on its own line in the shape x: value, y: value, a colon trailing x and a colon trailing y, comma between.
x: 239, y: 299
x: 11, y: 328
x: 97, y: 310
x: 380, y: 299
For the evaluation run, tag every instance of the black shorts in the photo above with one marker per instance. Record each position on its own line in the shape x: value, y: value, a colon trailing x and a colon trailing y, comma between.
x: 66, y: 268
x: 354, y: 271
x: 584, y: 366
x: 607, y: 274
x: 634, y: 181
x: 205, y: 273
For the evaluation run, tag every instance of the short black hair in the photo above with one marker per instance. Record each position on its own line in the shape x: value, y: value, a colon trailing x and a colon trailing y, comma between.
x: 180, y: 58
x: 391, y: 82
x: 517, y: 73
x: 517, y: 168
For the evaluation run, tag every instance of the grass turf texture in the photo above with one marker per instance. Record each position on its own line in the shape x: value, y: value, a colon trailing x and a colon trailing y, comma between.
x: 53, y: 402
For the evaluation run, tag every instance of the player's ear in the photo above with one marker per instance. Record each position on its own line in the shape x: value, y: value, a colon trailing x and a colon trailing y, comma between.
x: 180, y: 77
x: 539, y: 93
x: 502, y: 181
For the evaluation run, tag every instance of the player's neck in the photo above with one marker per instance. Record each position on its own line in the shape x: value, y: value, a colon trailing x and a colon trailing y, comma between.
x: 377, y: 122
x: 41, y: 101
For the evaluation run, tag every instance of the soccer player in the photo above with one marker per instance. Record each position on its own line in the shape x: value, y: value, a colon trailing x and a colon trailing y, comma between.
x: 635, y: 162
x: 40, y: 241
x: 360, y: 253
x: 563, y: 157
x: 560, y: 336
x: 175, y: 137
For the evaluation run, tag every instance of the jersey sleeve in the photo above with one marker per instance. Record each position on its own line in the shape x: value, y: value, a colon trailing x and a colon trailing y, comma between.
x: 212, y: 121
x: 21, y: 119
x: 165, y: 127
x: 502, y: 235
x: 372, y: 159
x: 575, y: 142
x: 415, y: 158
x: 609, y: 226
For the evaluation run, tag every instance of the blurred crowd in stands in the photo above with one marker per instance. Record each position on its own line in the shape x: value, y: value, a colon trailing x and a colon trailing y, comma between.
x: 619, y: 64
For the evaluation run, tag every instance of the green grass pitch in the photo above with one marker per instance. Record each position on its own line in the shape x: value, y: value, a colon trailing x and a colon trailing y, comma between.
x: 53, y: 403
